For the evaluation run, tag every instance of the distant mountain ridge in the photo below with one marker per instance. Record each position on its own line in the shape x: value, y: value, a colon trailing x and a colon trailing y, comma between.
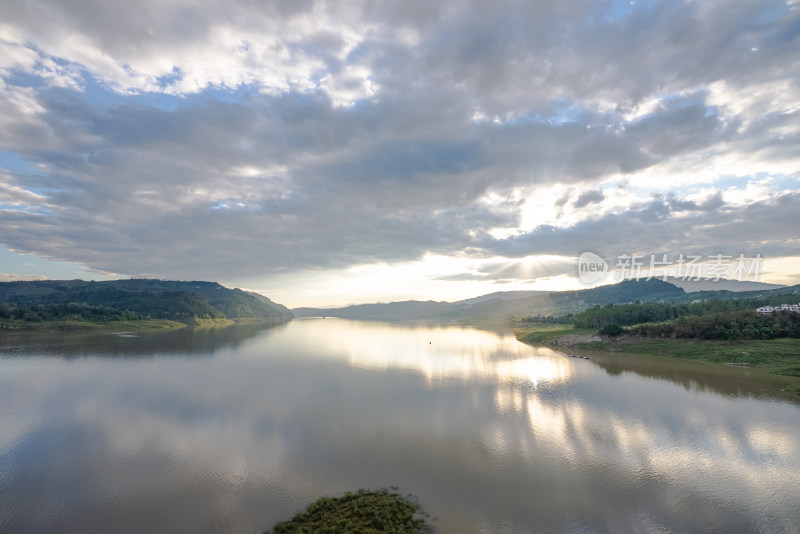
x: 721, y: 285
x: 688, y: 286
x: 501, y: 304
x: 392, y: 311
x: 494, y: 306
x: 159, y: 299
x: 502, y: 295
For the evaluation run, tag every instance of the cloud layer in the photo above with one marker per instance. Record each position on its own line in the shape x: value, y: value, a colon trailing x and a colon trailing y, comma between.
x: 238, y: 139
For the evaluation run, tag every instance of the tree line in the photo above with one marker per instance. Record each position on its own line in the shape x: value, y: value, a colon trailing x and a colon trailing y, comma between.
x: 73, y: 311
x: 637, y: 313
x: 709, y: 319
x: 113, y: 305
x: 725, y: 326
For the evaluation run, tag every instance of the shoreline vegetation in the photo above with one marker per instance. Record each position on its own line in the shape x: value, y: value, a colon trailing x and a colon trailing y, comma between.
x: 366, y: 512
x: 85, y: 326
x: 729, y: 332
x: 133, y: 325
x: 779, y: 356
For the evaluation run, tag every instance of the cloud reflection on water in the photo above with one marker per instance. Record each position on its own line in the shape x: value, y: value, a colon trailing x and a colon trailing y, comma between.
x: 491, y: 434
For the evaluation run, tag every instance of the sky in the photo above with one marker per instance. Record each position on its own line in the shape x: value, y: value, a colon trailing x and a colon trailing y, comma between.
x: 328, y: 153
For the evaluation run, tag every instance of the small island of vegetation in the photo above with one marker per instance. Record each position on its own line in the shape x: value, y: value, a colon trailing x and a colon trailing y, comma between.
x: 364, y: 512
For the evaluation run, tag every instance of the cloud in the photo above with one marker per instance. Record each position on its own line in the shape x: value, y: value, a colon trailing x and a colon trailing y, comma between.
x: 234, y: 139
x: 589, y: 197
x: 512, y: 270
x: 658, y: 225
x: 14, y: 277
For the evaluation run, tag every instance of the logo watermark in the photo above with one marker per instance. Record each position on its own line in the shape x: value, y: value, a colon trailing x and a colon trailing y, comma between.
x: 592, y: 268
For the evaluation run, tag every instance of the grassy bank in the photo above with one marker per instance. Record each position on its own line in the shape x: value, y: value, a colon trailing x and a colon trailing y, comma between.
x: 548, y: 335
x: 778, y: 356
x: 8, y: 327
x: 210, y: 323
x: 143, y: 325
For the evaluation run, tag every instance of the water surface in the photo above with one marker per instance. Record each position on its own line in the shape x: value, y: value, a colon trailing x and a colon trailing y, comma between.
x: 232, y: 430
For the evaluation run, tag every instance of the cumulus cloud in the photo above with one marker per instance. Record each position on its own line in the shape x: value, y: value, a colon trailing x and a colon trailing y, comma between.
x: 235, y: 139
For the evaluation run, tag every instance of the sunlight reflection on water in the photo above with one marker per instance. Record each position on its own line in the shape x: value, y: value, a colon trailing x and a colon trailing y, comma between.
x: 238, y: 428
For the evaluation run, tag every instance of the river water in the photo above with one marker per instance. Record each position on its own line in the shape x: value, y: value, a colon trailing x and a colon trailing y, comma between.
x: 234, y: 429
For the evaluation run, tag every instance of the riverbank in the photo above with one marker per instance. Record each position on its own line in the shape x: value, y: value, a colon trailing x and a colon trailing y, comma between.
x: 137, y: 326
x: 49, y: 327
x: 777, y: 356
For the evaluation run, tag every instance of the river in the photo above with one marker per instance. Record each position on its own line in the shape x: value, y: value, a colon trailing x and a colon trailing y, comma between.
x: 232, y: 430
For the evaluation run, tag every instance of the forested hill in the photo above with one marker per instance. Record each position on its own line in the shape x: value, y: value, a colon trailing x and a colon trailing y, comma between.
x: 134, y: 298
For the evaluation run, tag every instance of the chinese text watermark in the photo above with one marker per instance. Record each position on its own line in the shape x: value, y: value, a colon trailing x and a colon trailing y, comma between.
x: 685, y: 267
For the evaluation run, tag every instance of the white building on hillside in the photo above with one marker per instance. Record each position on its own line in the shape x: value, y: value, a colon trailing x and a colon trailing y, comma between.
x: 780, y: 307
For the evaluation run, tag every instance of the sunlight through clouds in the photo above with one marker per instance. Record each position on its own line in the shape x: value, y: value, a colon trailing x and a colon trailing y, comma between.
x: 278, y: 141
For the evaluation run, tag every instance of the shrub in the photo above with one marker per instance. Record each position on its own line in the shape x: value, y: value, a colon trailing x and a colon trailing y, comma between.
x: 611, y: 330
x: 366, y: 512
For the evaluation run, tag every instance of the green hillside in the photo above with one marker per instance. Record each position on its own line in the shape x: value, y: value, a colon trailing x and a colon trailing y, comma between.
x: 132, y: 299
